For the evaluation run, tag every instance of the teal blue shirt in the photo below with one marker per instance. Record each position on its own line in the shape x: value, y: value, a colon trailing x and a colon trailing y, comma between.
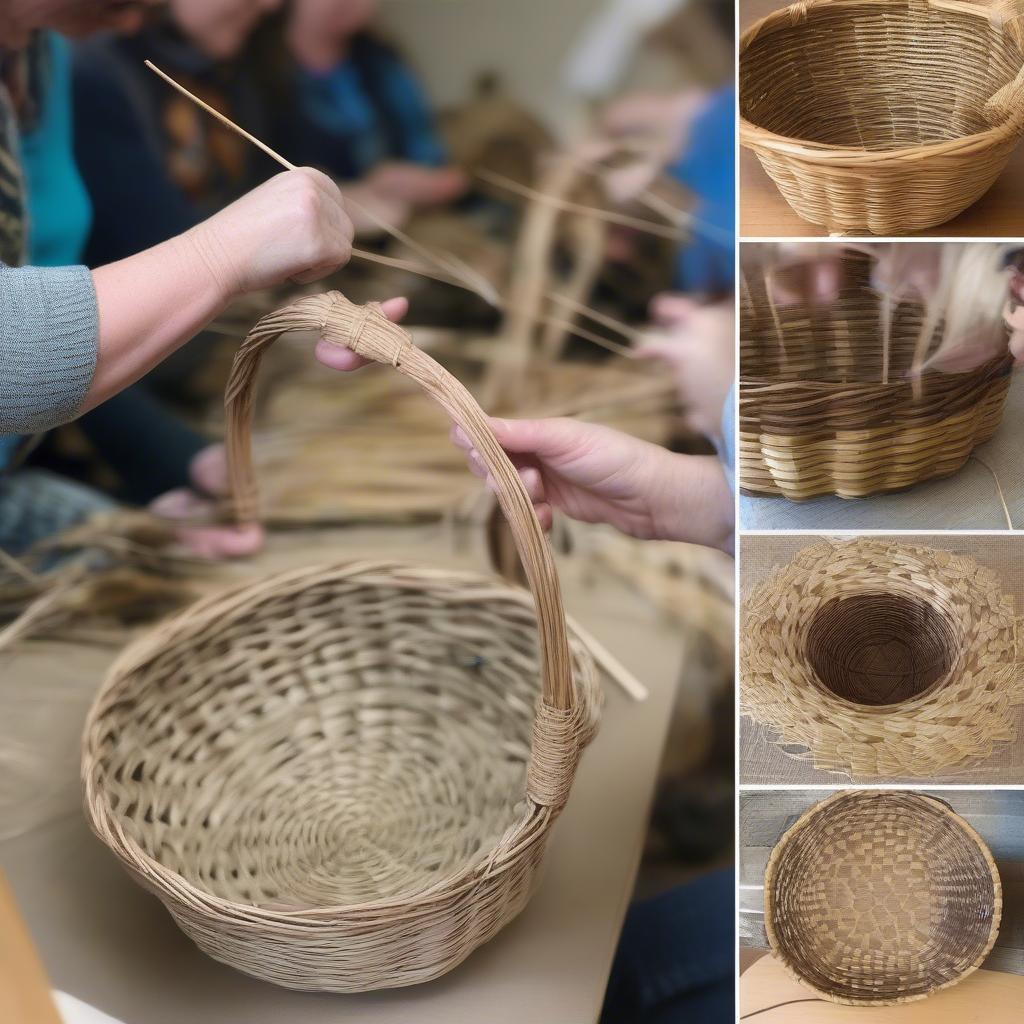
x: 59, y: 213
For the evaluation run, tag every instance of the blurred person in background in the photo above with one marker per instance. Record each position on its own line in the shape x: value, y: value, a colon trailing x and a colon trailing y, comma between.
x: 71, y: 338
x: 344, y: 101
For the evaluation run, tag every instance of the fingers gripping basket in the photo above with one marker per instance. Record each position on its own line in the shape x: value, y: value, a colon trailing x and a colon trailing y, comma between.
x: 881, y: 897
x: 831, y: 400
x: 343, y: 777
x: 883, y: 116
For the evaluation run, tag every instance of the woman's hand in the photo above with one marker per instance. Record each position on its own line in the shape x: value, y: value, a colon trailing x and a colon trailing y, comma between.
x: 696, y: 342
x: 599, y: 475
x: 337, y: 357
x: 293, y: 227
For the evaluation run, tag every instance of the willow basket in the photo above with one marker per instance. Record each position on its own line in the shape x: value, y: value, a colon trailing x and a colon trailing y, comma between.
x: 883, y: 116
x: 881, y: 897
x: 343, y: 777
x: 830, y: 402
x: 879, y: 659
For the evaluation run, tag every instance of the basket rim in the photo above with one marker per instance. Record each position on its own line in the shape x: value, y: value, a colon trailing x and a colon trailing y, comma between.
x: 771, y: 869
x: 529, y: 827
x: 753, y: 136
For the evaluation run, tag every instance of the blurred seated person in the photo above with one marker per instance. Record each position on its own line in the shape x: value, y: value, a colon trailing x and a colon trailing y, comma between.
x: 155, y: 164
x: 347, y: 103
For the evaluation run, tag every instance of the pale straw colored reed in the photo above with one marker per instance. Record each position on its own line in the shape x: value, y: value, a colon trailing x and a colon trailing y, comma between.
x: 876, y: 898
x: 344, y: 777
x: 883, y: 116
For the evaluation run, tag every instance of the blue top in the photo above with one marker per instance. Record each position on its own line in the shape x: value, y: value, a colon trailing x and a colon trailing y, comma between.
x: 367, y: 109
x: 59, y: 212
x: 708, y: 169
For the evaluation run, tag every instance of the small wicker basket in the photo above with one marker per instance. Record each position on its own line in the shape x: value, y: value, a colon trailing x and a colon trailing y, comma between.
x: 883, y: 116
x: 343, y: 777
x: 829, y: 403
x: 881, y: 897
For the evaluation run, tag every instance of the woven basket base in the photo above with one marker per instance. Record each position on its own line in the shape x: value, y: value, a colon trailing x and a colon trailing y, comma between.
x: 879, y: 898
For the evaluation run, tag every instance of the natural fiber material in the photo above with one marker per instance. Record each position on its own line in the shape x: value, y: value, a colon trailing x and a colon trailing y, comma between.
x: 880, y: 659
x: 343, y: 777
x: 883, y: 116
x: 833, y: 401
x: 879, y: 898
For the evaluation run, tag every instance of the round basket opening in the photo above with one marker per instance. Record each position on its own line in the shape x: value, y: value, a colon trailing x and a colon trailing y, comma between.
x: 331, y: 740
x: 877, y: 649
x: 881, y: 897
x: 875, y: 77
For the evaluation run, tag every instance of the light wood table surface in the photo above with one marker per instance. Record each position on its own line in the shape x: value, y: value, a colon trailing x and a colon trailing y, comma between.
x: 105, y: 941
x: 765, y: 214
x: 986, y: 997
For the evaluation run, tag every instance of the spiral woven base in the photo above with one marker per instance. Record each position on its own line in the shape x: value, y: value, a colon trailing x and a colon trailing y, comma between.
x: 880, y: 898
x: 883, y: 116
x: 326, y: 776
x: 878, y: 659
x: 829, y: 402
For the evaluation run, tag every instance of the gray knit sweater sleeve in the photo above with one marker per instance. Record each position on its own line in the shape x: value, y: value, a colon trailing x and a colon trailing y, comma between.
x: 49, y: 338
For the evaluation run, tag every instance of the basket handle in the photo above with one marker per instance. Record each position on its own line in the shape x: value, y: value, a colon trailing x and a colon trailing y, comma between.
x: 366, y: 331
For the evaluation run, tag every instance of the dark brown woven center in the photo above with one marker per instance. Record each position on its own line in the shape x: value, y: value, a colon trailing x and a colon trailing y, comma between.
x: 877, y: 649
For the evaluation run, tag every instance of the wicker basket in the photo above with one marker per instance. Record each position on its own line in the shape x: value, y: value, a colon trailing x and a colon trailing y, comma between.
x: 828, y: 403
x: 881, y: 660
x: 879, y: 898
x: 883, y: 116
x: 343, y: 777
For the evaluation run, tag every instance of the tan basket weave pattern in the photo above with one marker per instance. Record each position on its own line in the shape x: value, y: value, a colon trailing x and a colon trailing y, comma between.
x: 880, y: 659
x: 879, y: 898
x: 828, y: 403
x: 883, y: 116
x: 343, y: 777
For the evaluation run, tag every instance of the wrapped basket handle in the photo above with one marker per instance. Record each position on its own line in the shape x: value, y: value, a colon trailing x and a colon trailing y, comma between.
x: 366, y: 331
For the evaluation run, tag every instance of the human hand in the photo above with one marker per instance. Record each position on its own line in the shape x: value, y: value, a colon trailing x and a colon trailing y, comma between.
x: 599, y: 475
x: 655, y: 125
x: 393, y: 191
x: 696, y: 342
x: 291, y: 228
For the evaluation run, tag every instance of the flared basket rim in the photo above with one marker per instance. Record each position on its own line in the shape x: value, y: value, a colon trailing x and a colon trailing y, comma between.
x: 753, y: 136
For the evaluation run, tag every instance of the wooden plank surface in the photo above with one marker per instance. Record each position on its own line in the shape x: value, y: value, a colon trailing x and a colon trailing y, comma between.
x: 997, y: 815
x: 112, y: 945
x: 986, y: 997
x: 24, y: 989
x: 765, y: 214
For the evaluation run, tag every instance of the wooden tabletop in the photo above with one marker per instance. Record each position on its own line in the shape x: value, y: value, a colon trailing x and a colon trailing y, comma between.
x: 107, y: 942
x: 765, y: 214
x: 983, y: 998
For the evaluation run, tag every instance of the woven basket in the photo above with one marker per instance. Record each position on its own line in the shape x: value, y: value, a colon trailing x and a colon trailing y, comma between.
x: 343, y: 777
x: 878, y: 659
x: 879, y: 898
x: 829, y: 402
x: 883, y: 116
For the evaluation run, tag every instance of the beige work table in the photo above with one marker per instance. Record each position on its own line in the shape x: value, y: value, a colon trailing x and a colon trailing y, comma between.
x: 105, y: 941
